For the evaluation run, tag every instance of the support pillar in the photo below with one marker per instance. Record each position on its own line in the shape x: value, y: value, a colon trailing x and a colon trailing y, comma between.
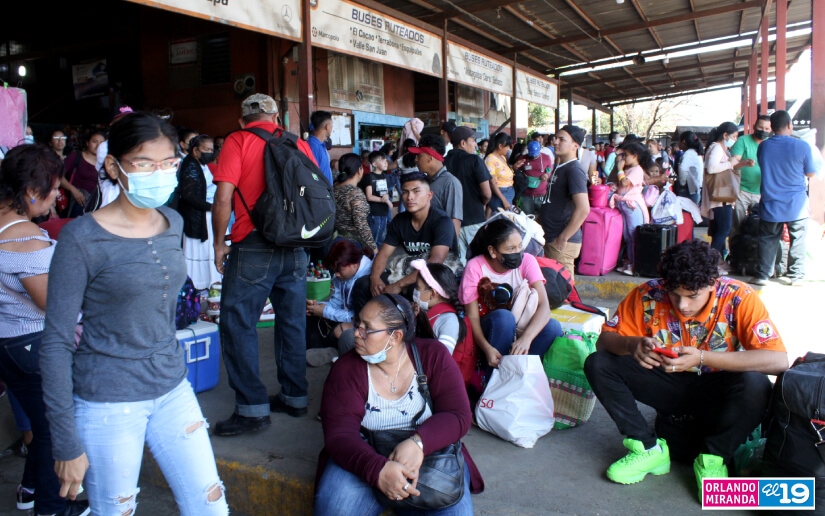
x: 570, y: 107
x: 746, y: 119
x: 306, y: 101
x: 513, y: 125
x: 557, y: 120
x: 781, y: 52
x: 764, y: 65
x: 611, y: 122
x: 817, y: 184
x: 594, y: 128
x: 752, y: 87
x: 443, y: 83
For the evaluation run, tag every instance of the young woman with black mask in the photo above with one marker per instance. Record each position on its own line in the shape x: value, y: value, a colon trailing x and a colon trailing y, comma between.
x: 497, y: 254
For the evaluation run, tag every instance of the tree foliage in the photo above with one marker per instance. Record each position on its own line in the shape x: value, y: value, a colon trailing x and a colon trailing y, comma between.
x: 645, y: 119
x: 538, y: 116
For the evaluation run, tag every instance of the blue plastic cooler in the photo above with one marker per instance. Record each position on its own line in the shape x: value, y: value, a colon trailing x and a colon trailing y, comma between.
x: 201, y: 345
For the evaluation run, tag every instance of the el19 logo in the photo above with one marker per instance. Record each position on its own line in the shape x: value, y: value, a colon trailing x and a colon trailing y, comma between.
x: 485, y: 403
x: 786, y: 492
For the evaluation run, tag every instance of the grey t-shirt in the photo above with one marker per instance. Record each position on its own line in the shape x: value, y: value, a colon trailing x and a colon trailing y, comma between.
x: 127, y: 289
x: 568, y: 179
x: 447, y: 194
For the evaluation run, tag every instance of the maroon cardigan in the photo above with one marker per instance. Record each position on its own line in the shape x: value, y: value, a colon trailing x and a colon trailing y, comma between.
x: 343, y: 409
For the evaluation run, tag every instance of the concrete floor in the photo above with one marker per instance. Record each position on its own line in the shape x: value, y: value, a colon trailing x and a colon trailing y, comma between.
x: 562, y: 474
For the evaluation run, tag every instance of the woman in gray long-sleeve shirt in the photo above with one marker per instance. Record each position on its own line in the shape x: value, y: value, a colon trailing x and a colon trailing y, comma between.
x: 124, y: 385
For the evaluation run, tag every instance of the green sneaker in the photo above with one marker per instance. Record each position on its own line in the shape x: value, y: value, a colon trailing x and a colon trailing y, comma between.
x: 635, y: 466
x: 708, y: 466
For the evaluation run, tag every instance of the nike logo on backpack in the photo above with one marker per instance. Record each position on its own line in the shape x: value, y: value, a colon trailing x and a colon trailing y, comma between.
x: 309, y: 234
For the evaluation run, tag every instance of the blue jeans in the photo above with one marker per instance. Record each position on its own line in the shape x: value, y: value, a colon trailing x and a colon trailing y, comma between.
x: 21, y: 420
x: 20, y: 371
x: 256, y: 269
x: 495, y: 203
x: 114, y: 435
x: 632, y: 220
x: 722, y: 222
x: 499, y: 327
x: 378, y: 225
x: 342, y: 493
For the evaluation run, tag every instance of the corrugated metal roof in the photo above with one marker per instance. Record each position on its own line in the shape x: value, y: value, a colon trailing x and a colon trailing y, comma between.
x: 530, y: 26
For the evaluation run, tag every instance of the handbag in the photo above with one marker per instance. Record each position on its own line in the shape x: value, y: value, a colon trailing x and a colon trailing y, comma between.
x: 723, y: 187
x: 573, y: 397
x: 441, y: 476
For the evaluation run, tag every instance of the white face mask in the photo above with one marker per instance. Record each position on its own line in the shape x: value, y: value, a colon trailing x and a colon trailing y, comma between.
x: 379, y: 357
x: 424, y: 305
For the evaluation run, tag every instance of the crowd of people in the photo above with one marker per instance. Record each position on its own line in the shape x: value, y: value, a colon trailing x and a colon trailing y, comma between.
x: 405, y: 302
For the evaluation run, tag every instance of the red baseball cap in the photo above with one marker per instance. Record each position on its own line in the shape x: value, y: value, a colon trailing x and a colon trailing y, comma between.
x: 426, y: 150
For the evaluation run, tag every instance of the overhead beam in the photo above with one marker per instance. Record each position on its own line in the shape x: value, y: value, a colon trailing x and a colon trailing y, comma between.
x: 643, y: 16
x: 726, y: 73
x: 681, y: 93
x: 452, y: 12
x: 681, y: 68
x: 668, y: 20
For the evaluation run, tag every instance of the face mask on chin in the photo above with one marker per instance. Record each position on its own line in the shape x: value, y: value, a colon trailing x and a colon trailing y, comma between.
x: 379, y: 357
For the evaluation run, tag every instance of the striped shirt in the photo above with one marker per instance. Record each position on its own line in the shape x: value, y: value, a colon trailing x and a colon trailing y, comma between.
x: 15, y: 317
x: 384, y: 414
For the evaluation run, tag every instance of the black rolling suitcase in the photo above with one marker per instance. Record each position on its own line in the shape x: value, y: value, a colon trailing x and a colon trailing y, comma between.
x: 651, y: 241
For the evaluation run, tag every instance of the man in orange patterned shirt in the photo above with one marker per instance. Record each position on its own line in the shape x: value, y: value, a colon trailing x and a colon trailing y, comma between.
x: 712, y: 325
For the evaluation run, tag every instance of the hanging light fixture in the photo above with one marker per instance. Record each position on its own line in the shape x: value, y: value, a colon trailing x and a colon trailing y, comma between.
x: 21, y: 70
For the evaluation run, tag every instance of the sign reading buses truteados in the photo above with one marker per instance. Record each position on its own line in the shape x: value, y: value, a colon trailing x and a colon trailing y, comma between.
x: 473, y: 69
x: 536, y: 89
x: 279, y: 18
x: 353, y: 29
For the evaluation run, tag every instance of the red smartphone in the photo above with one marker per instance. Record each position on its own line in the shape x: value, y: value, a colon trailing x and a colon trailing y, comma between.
x: 666, y: 352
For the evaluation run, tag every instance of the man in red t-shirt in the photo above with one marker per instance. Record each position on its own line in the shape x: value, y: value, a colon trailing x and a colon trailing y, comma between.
x: 255, y: 270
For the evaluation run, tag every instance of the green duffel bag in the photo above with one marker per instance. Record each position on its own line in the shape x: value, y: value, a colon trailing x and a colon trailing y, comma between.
x: 573, y: 398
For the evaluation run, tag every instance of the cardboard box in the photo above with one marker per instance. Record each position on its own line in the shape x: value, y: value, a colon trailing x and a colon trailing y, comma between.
x: 574, y: 319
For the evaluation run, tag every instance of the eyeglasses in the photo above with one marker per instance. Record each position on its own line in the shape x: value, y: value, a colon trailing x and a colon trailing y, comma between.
x: 147, y: 168
x: 363, y: 332
x: 59, y: 137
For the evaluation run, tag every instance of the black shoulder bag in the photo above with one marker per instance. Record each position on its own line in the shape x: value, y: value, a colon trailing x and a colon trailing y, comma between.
x: 441, y: 476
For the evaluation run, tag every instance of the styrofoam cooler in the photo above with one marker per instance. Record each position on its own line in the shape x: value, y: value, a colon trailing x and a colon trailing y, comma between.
x: 201, y: 346
x: 601, y: 242
x: 574, y: 319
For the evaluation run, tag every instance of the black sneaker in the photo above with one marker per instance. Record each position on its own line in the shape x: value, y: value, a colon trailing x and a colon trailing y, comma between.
x: 25, y: 498
x: 236, y: 425
x: 75, y: 508
x: 19, y: 448
x: 276, y: 404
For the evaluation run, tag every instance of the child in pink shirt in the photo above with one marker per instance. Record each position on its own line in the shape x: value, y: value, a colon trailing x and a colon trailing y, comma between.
x: 632, y: 160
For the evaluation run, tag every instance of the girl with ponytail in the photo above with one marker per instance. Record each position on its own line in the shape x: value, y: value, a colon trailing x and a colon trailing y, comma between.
x: 436, y: 301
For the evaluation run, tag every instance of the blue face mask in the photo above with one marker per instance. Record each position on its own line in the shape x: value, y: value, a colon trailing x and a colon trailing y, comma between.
x: 729, y: 143
x: 150, y: 191
x: 28, y: 139
x: 379, y: 357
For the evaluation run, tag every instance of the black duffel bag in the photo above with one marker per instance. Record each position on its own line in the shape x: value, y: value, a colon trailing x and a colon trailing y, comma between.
x: 795, y: 436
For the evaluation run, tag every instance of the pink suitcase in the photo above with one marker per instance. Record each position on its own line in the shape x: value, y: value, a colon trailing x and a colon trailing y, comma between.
x: 601, y: 241
x: 598, y: 195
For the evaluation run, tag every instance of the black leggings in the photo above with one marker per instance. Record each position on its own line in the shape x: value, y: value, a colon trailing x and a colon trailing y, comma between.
x: 728, y: 406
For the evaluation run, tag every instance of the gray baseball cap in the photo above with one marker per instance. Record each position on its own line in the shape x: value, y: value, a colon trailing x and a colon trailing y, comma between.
x: 259, y: 103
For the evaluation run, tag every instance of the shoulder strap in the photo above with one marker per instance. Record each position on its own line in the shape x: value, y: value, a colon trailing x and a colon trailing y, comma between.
x: 421, y: 378
x: 10, y: 224
x: 20, y: 297
x: 260, y: 133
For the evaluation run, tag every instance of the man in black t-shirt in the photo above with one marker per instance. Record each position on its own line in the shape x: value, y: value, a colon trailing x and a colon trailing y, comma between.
x: 566, y: 205
x: 472, y: 173
x: 422, y: 231
x: 376, y: 188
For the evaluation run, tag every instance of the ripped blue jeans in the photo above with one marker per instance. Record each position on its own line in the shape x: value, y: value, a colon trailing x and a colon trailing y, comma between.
x: 173, y: 426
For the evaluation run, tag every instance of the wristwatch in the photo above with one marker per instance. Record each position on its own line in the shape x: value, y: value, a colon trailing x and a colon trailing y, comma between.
x: 417, y: 440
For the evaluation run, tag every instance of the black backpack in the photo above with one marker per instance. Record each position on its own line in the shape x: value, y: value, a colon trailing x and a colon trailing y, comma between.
x: 297, y: 207
x: 795, y: 436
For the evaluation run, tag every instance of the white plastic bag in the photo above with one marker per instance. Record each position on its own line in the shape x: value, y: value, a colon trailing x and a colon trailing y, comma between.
x: 667, y: 209
x: 517, y: 405
x: 532, y: 232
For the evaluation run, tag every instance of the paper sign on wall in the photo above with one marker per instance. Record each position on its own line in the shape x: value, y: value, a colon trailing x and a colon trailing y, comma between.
x: 535, y: 89
x: 469, y: 67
